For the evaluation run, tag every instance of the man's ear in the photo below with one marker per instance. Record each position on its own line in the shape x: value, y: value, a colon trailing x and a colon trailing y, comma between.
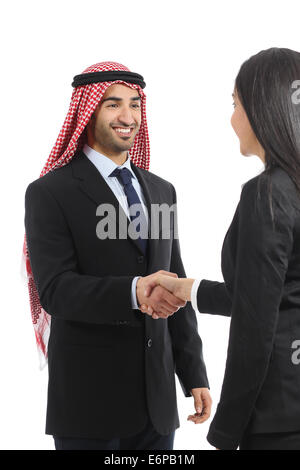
x: 91, y: 123
x: 88, y: 130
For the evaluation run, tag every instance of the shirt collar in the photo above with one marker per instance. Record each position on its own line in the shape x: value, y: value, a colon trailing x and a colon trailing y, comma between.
x: 104, y: 164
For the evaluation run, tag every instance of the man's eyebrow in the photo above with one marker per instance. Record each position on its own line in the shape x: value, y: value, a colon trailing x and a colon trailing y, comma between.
x: 116, y: 98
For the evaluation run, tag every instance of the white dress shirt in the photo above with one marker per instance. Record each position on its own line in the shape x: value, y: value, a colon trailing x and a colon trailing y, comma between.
x: 195, y: 287
x: 106, y: 166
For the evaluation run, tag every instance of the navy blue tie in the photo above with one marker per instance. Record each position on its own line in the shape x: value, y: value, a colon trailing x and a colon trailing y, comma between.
x: 124, y: 176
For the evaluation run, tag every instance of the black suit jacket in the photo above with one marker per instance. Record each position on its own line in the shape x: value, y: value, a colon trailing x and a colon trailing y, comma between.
x: 109, y: 365
x: 261, y: 292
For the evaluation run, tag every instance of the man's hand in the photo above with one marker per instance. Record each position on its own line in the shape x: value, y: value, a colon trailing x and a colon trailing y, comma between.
x: 202, y: 403
x: 161, y: 301
x: 180, y: 288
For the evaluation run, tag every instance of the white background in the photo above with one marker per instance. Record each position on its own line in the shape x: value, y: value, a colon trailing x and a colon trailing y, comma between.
x: 189, y: 54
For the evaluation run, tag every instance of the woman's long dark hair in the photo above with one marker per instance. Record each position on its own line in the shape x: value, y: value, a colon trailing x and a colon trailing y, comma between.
x: 268, y: 87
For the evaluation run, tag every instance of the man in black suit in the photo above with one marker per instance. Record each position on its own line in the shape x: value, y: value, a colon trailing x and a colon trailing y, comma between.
x: 111, y: 367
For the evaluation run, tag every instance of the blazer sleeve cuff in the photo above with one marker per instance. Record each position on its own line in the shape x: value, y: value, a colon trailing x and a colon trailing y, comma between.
x: 222, y: 441
x: 201, y: 382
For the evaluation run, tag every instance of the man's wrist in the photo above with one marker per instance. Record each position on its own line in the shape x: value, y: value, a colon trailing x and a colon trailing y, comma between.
x: 134, y: 298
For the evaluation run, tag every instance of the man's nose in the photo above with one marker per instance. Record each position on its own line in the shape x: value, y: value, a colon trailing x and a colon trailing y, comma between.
x: 126, y: 116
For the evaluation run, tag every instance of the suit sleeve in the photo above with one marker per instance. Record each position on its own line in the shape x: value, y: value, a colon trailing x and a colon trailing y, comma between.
x: 63, y: 291
x: 214, y: 298
x: 186, y: 342
x: 263, y: 251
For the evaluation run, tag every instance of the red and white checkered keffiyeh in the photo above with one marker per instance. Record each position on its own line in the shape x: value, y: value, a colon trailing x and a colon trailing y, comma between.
x: 71, y: 138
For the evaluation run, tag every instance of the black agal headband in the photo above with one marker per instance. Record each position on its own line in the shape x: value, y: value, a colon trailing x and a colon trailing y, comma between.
x: 110, y: 76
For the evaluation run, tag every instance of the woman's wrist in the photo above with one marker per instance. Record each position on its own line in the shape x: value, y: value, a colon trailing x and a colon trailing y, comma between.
x: 186, y: 288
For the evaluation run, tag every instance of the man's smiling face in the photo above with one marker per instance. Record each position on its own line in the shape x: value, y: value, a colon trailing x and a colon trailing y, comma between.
x: 116, y: 120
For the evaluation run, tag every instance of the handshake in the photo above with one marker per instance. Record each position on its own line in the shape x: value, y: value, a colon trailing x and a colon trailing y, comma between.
x: 162, y: 294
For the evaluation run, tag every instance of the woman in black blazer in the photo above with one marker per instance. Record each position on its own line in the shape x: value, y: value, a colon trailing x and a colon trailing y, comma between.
x: 259, y: 406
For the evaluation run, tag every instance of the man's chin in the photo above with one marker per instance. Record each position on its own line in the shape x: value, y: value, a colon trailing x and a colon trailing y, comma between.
x: 118, y: 149
x: 125, y: 143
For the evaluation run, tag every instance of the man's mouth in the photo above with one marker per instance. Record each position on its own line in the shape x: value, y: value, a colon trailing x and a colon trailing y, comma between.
x: 123, y: 131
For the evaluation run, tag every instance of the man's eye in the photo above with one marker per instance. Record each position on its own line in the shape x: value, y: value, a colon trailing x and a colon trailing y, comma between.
x: 136, y: 106
x: 112, y: 105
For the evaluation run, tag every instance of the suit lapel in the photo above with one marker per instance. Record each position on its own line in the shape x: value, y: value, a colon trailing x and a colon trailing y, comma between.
x: 92, y: 183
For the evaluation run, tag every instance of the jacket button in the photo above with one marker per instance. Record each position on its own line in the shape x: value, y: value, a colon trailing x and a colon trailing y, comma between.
x: 140, y: 259
x: 149, y: 343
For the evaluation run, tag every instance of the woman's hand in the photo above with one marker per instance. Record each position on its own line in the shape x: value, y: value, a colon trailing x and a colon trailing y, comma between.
x: 180, y: 287
x: 160, y: 299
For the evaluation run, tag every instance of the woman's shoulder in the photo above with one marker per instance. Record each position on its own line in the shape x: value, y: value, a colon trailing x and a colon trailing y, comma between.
x: 275, y: 183
x: 276, y: 176
x: 270, y: 190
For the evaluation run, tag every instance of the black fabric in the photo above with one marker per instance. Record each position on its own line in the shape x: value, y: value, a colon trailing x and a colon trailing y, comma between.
x: 147, y: 439
x: 271, y: 441
x: 110, y: 76
x: 260, y: 266
x: 105, y: 375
